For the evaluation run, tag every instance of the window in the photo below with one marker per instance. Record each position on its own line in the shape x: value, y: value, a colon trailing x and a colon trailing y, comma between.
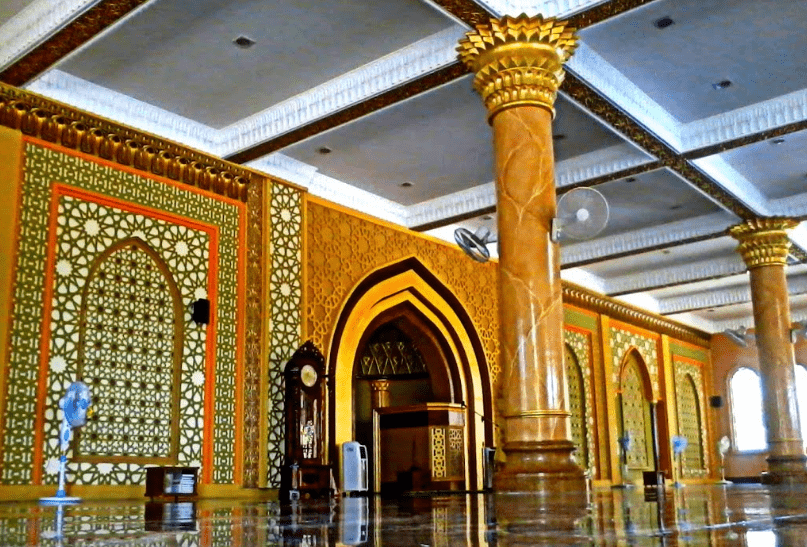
x: 745, y: 391
x: 801, y: 396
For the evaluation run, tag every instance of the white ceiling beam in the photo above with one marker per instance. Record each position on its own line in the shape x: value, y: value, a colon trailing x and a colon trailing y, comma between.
x: 36, y: 23
x: 547, y: 8
x: 676, y: 275
x: 656, y: 236
x: 724, y: 296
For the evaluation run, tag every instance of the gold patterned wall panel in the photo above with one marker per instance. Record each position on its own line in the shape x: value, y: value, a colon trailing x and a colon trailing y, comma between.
x: 690, y: 408
x: 285, y: 255
x: 343, y: 247
x: 446, y: 457
x: 581, y: 396
x: 635, y: 417
x: 623, y: 338
x: 131, y: 336
x: 63, y: 229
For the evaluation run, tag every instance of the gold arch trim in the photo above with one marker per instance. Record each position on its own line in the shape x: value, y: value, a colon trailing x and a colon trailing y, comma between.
x: 406, y: 287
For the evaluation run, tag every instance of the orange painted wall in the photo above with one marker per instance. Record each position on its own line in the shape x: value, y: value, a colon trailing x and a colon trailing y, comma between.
x: 726, y: 358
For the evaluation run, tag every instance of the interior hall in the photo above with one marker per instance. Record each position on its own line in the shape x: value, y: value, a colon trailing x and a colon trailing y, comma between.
x: 403, y: 272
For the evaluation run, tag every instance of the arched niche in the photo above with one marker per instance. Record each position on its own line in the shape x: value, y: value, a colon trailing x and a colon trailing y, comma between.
x: 690, y: 425
x: 407, y: 290
x: 577, y: 407
x: 635, y: 397
x: 130, y: 354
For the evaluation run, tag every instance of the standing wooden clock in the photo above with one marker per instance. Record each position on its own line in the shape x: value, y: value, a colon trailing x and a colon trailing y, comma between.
x: 304, y: 471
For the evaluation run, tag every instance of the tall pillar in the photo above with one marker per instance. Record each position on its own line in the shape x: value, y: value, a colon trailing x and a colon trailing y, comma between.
x: 380, y: 393
x: 764, y: 247
x: 518, y: 64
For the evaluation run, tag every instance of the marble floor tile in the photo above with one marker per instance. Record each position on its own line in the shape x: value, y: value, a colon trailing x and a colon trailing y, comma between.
x: 744, y: 515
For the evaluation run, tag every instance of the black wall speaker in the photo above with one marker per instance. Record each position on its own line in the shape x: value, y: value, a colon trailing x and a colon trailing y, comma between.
x: 716, y: 401
x: 201, y: 311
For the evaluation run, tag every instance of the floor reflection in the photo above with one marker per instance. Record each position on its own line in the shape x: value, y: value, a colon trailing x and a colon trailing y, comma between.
x: 745, y: 515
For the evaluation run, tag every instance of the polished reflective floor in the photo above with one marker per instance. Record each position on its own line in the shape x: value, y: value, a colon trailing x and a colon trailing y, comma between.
x: 746, y: 515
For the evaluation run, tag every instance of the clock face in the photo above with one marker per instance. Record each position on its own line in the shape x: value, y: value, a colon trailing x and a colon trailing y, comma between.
x: 308, y: 375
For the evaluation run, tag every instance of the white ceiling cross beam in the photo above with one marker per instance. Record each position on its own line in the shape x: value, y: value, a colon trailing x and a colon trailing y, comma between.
x: 676, y: 275
x: 35, y: 24
x: 723, y: 296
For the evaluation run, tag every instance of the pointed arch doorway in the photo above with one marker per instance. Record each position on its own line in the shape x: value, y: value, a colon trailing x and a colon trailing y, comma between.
x: 439, y: 384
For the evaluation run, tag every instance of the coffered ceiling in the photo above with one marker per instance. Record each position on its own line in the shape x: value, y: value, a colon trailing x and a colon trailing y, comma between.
x: 687, y: 115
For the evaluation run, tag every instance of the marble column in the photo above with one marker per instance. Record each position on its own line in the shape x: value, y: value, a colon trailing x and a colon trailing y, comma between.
x: 764, y: 246
x: 518, y: 64
x: 380, y: 393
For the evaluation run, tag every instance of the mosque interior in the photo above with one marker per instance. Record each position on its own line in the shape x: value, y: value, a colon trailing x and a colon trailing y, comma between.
x: 405, y: 272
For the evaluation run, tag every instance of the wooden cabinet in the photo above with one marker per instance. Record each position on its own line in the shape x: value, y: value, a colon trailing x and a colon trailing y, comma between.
x: 171, y: 482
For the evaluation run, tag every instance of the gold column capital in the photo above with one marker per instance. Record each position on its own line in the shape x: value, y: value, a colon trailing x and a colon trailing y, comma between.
x: 763, y: 241
x: 518, y: 60
x: 379, y: 385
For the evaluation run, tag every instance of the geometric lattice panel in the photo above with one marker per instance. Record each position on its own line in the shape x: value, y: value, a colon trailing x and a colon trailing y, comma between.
x: 689, y: 399
x: 285, y: 290
x: 580, y: 346
x: 623, y: 340
x: 389, y: 352
x: 634, y: 417
x: 577, y: 407
x: 85, y: 228
x: 131, y: 341
x: 125, y: 303
x: 438, y: 459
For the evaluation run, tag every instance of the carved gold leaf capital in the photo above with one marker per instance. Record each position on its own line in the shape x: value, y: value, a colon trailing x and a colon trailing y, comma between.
x: 763, y: 241
x: 379, y: 385
x: 518, y: 60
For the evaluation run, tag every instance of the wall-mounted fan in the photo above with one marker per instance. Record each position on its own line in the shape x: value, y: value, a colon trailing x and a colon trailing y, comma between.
x: 75, y: 407
x: 739, y: 336
x: 475, y: 244
x: 582, y: 214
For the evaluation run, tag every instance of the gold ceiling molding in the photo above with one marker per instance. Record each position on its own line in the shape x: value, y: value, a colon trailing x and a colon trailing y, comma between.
x: 763, y: 241
x: 78, y: 32
x: 581, y: 297
x: 54, y: 122
x: 518, y: 61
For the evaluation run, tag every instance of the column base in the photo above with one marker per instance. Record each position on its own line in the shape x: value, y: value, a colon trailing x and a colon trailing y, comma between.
x: 540, y: 487
x: 786, y: 470
x: 540, y: 467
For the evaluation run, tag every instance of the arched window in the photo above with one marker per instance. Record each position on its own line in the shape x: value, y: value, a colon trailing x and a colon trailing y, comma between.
x: 801, y: 396
x: 745, y: 391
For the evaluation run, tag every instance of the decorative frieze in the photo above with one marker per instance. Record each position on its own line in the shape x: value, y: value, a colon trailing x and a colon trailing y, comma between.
x: 50, y: 121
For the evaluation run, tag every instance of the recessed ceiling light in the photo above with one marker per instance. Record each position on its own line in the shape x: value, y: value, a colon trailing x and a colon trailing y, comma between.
x: 675, y: 207
x: 324, y: 150
x: 487, y: 217
x: 711, y: 310
x: 664, y: 22
x: 406, y: 184
x: 558, y: 137
x: 243, y: 42
x: 665, y: 252
x: 780, y: 140
x: 630, y: 179
x: 722, y: 84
